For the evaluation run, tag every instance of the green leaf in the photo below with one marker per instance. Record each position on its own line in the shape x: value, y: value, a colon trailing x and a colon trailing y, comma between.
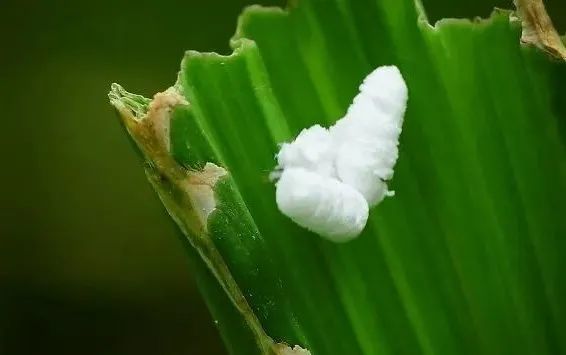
x: 467, y: 258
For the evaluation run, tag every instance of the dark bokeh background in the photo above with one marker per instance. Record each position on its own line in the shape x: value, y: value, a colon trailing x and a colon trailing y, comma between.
x: 89, y: 260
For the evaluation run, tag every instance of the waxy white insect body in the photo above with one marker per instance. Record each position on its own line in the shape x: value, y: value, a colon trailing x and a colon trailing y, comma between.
x: 345, y: 167
x: 321, y: 204
x: 368, y: 136
x: 313, y: 149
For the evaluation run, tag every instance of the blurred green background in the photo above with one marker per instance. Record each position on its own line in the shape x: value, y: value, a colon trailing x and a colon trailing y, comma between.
x: 89, y: 260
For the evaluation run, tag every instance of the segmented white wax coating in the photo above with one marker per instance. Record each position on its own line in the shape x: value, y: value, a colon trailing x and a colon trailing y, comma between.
x: 359, y: 174
x: 321, y: 204
x: 386, y: 87
x: 313, y: 149
x: 368, y: 135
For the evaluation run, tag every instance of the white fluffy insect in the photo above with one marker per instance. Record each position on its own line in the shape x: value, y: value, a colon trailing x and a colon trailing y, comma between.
x: 330, y: 177
x: 321, y: 204
x: 367, y: 138
x: 313, y: 149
